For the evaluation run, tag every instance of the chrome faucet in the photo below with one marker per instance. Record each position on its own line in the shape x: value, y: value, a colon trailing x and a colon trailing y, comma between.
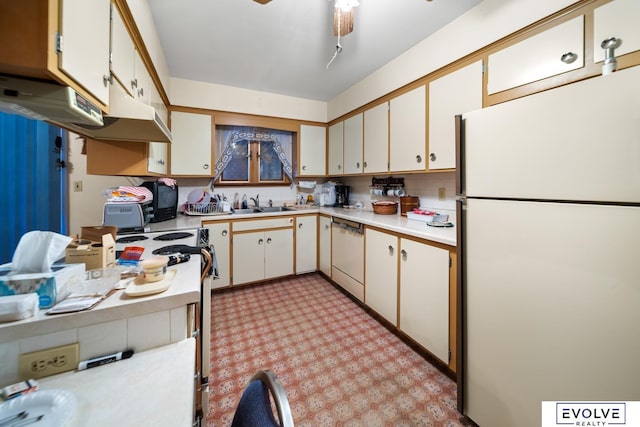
x: 256, y: 201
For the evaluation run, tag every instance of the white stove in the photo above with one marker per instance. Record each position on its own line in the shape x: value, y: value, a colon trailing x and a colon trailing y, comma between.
x: 163, y: 242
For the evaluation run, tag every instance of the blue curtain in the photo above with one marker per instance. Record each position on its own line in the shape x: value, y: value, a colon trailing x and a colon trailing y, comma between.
x: 33, y: 182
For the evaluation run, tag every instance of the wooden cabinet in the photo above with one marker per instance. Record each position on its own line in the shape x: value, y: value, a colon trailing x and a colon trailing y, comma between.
x: 618, y: 19
x: 220, y: 238
x: 376, y: 139
x: 191, y: 147
x: 336, y: 147
x: 121, y: 158
x: 455, y: 93
x: 324, y: 245
x: 122, y: 53
x: 62, y: 40
x: 381, y: 274
x: 347, y: 259
x: 538, y: 57
x: 262, y: 249
x: 313, y: 150
x: 353, y: 144
x: 424, y: 296
x: 407, y: 130
x: 306, y: 243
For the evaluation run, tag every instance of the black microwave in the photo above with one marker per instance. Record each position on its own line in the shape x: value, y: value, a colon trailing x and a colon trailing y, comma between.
x: 165, y: 200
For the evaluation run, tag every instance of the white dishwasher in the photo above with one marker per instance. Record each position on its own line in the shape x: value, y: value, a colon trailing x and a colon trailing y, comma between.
x: 347, y: 248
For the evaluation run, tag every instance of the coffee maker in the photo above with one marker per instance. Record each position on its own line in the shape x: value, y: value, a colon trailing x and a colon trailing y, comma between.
x: 342, y: 194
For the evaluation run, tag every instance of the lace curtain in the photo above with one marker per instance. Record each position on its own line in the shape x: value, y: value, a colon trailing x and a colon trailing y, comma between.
x: 227, y: 136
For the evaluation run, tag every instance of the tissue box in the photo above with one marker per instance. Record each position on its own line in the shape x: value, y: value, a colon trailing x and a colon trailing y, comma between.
x: 92, y: 254
x: 51, y: 287
x: 18, y: 307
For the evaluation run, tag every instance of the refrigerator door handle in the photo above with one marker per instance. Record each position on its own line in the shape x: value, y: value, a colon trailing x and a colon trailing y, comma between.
x: 460, y: 317
x: 459, y: 124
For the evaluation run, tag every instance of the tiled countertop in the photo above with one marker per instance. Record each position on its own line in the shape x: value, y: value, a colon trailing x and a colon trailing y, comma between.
x: 395, y: 223
x: 184, y: 290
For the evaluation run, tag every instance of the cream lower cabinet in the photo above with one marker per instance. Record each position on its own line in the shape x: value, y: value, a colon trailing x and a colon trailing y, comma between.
x: 381, y: 274
x: 306, y: 243
x: 220, y: 238
x: 324, y: 245
x: 424, y: 296
x: 262, y: 249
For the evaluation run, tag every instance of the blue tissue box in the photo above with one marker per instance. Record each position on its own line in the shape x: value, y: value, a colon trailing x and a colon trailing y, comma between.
x: 51, y: 287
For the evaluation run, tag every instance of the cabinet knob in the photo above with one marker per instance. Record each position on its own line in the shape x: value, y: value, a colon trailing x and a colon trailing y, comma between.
x: 326, y: 226
x: 569, y: 57
x: 260, y: 241
x: 357, y: 165
x: 161, y: 162
x: 269, y: 240
x: 364, y: 164
x: 304, y: 168
x: 339, y: 167
x: 205, y: 166
x: 106, y: 79
x: 141, y: 92
x: 390, y: 249
x: 404, y: 253
x: 134, y: 83
x: 300, y: 225
x: 432, y: 157
x: 224, y: 232
x: 419, y: 158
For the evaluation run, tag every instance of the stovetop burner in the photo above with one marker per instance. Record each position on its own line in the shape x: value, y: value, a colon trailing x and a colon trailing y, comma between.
x: 173, y: 236
x: 174, y: 249
x: 131, y: 239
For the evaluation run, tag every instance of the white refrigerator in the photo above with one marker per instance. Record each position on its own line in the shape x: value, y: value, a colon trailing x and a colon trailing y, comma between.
x: 549, y: 250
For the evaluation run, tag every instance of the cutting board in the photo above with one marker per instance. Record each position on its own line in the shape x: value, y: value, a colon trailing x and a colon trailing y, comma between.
x: 138, y: 288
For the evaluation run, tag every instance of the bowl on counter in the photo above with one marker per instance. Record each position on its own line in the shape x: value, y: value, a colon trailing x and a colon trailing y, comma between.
x: 384, y: 207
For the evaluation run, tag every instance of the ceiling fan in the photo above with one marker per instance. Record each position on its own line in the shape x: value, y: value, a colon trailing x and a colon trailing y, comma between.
x: 343, y: 16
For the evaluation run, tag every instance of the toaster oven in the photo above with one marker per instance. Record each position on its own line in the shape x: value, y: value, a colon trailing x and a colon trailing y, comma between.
x: 127, y: 216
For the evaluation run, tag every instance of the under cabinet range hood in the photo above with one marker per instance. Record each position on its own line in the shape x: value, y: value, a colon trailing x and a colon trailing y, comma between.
x: 47, y: 101
x: 128, y: 118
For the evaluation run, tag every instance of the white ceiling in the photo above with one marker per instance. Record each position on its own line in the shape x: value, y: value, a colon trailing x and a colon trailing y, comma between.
x: 283, y: 47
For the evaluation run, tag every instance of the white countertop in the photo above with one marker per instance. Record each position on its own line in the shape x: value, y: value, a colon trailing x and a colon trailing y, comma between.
x: 184, y: 290
x: 396, y: 223
x: 152, y: 388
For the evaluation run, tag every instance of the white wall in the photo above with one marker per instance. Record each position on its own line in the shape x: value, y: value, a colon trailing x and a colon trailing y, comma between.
x: 486, y: 23
x: 85, y: 207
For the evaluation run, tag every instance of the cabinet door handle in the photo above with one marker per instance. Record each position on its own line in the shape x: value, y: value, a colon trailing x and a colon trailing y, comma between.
x: 224, y: 232
x: 106, y: 79
x: 134, y: 83
x: 569, y: 57
x: 260, y: 241
x: 419, y: 158
x: 141, y: 91
x: 404, y: 253
x: 432, y: 157
x: 269, y: 240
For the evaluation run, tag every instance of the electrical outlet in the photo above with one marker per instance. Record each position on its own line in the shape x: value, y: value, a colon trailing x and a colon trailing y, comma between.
x: 77, y: 185
x: 442, y: 193
x: 50, y: 361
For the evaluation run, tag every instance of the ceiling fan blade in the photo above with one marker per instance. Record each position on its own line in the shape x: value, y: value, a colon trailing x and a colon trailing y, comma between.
x: 346, y: 20
x: 262, y: 1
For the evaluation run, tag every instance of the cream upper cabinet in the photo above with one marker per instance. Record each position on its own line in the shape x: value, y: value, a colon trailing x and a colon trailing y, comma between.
x: 220, y: 238
x: 407, y: 129
x: 157, y: 162
x: 381, y: 274
x: 306, y: 243
x: 142, y: 80
x: 122, y: 53
x: 324, y: 245
x: 454, y: 93
x: 353, y: 144
x: 84, y: 46
x: 336, y: 147
x: 424, y: 296
x: 552, y: 52
x: 191, y: 147
x: 376, y: 139
x: 313, y: 150
x: 618, y: 19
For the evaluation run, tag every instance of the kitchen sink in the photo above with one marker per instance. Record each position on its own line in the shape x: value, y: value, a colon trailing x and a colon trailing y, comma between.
x: 266, y: 209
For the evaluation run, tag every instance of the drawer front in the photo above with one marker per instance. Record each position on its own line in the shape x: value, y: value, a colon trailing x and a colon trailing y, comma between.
x: 263, y: 224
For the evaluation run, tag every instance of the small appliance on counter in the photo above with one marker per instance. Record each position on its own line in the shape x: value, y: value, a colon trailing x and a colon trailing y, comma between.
x: 342, y: 194
x: 165, y: 200
x: 127, y: 217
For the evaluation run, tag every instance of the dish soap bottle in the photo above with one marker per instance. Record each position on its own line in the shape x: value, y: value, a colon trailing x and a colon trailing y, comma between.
x: 245, y: 205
